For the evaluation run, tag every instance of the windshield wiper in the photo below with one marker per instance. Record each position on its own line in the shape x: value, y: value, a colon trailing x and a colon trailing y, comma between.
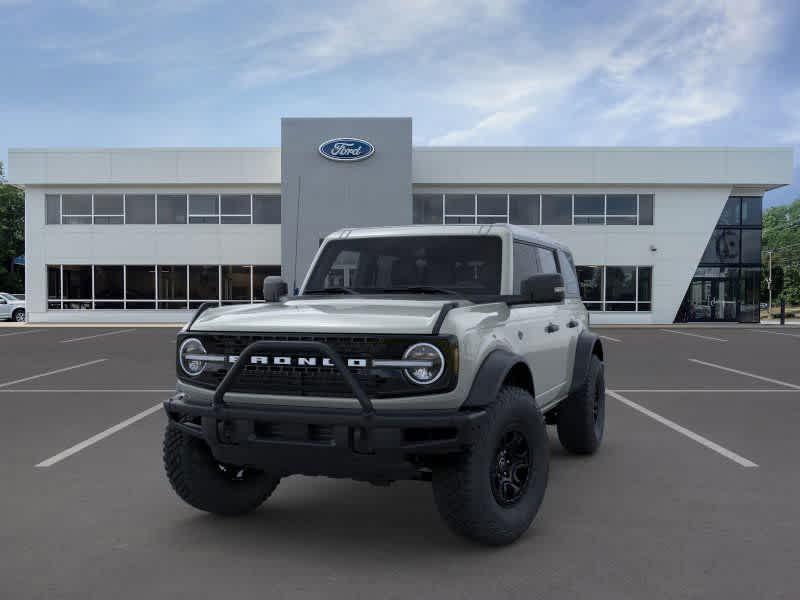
x: 420, y: 289
x: 331, y: 290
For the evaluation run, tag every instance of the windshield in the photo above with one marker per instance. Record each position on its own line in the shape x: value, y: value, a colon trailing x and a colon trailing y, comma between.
x: 463, y: 265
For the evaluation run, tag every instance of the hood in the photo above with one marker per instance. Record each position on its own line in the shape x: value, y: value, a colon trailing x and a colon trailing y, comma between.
x: 327, y: 315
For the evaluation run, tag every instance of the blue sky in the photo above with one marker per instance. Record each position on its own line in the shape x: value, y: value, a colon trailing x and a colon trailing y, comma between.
x: 470, y: 72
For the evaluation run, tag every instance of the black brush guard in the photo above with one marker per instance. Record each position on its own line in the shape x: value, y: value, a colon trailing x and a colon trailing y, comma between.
x: 362, y: 444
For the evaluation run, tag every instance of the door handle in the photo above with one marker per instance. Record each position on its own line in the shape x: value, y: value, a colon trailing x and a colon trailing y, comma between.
x: 551, y: 328
x: 572, y: 323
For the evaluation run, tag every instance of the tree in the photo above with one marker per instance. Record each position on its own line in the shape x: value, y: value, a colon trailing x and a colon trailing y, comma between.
x: 781, y: 235
x: 12, y: 235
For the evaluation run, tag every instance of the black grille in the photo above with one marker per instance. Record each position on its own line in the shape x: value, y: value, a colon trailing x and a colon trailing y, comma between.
x: 293, y: 380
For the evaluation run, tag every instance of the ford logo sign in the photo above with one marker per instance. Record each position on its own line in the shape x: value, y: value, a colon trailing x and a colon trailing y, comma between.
x: 346, y: 149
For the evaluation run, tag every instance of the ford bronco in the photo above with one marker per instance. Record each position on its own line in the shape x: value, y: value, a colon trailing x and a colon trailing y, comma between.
x: 434, y: 353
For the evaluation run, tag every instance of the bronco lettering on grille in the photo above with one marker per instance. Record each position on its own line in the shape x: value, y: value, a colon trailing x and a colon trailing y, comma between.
x: 299, y: 361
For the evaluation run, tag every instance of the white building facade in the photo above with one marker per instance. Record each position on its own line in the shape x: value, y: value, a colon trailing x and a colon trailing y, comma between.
x: 146, y: 235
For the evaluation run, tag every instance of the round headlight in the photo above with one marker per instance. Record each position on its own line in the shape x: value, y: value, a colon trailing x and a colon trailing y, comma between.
x: 191, y: 355
x: 431, y: 363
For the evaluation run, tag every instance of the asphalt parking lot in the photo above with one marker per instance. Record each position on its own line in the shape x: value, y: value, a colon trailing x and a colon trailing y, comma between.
x: 694, y: 493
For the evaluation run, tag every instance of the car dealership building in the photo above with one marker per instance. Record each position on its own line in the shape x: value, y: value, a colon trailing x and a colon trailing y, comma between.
x: 138, y: 235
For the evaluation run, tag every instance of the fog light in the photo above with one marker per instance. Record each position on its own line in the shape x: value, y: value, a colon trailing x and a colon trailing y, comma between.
x: 432, y: 365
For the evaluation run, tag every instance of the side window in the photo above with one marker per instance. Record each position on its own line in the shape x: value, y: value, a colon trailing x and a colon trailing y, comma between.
x: 525, y: 264
x: 547, y: 260
x: 568, y: 271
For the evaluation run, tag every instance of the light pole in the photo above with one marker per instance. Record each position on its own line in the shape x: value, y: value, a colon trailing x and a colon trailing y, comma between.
x: 769, y: 286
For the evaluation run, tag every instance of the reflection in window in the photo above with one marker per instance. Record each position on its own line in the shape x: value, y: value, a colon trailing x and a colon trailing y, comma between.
x: 172, y: 286
x: 76, y: 209
x: 266, y: 209
x: 526, y: 264
x: 140, y: 209
x: 203, y: 282
x: 108, y: 209
x: 108, y: 282
x: 427, y: 209
x: 751, y: 211
x: 646, y: 202
x: 589, y: 209
x: 235, y: 209
x: 590, y: 282
x: 204, y: 208
x: 259, y: 273
x: 53, y: 209
x: 723, y: 247
x: 556, y: 209
x: 171, y: 209
x: 236, y: 284
x: 523, y: 209
x: 620, y: 284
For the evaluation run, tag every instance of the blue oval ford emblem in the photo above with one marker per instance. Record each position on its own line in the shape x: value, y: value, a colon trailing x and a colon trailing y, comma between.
x: 346, y: 149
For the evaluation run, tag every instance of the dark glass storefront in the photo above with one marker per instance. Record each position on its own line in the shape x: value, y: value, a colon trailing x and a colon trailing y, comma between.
x: 726, y: 283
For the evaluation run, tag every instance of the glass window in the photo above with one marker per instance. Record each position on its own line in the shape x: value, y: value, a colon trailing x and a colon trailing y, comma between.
x: 547, y: 260
x: 108, y: 282
x: 77, y: 282
x: 730, y: 214
x: 621, y: 209
x: 235, y: 208
x: 493, y: 204
x: 646, y: 208
x: 140, y: 209
x: 526, y: 264
x: 620, y: 285
x: 76, y: 209
x: 140, y: 282
x: 203, y: 208
x: 236, y: 283
x: 259, y: 273
x: 467, y: 264
x: 645, y: 285
x: 723, y: 247
x: 459, y: 220
x: 203, y: 282
x: 108, y: 209
x: 751, y: 246
x: 267, y: 209
x: 589, y: 209
x: 54, y: 282
x: 751, y: 211
x: 620, y: 306
x: 171, y: 286
x: 568, y: 271
x: 557, y: 209
x: 427, y: 209
x: 590, y: 282
x: 459, y: 204
x: 53, y: 209
x: 171, y: 209
x: 524, y: 209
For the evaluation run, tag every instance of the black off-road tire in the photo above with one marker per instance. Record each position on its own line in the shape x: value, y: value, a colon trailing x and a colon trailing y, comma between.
x: 581, y: 417
x: 18, y: 315
x: 205, y: 484
x: 465, y: 487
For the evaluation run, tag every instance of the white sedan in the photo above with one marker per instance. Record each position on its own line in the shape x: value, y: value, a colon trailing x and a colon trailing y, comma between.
x: 12, y: 308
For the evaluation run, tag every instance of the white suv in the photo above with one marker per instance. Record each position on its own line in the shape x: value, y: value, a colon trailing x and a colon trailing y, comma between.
x: 435, y: 353
x: 12, y: 308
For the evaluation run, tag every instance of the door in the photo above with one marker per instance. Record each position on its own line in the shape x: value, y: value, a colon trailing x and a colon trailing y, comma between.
x: 5, y: 308
x: 712, y: 300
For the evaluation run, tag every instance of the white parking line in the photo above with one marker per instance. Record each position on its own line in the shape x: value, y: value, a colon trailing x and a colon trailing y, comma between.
x: 697, y: 335
x: 22, y: 332
x: 610, y: 339
x: 49, y: 462
x: 746, y: 374
x: 24, y: 379
x: 91, y: 337
x: 109, y: 391
x: 706, y: 391
x: 794, y: 335
x: 740, y: 460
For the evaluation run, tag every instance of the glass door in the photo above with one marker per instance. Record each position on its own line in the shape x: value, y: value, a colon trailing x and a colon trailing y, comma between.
x: 711, y: 300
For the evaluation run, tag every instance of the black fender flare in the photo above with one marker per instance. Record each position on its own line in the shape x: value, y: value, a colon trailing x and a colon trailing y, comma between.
x: 588, y: 345
x: 490, y: 376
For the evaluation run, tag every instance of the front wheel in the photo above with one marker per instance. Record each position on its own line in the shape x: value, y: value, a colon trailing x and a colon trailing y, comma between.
x: 205, y: 484
x: 493, y: 491
x: 19, y: 315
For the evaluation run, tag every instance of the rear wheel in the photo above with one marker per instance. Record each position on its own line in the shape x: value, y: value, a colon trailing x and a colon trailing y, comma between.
x: 206, y: 484
x: 19, y: 315
x: 493, y: 491
x: 582, y: 416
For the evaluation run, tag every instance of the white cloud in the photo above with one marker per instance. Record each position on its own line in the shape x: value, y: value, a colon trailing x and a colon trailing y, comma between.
x: 496, y: 122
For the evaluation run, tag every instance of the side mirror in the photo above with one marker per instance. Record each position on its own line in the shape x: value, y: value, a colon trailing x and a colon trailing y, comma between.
x: 274, y: 288
x: 543, y: 287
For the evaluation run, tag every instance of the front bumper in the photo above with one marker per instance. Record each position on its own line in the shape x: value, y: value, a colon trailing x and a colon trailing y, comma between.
x: 358, y: 444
